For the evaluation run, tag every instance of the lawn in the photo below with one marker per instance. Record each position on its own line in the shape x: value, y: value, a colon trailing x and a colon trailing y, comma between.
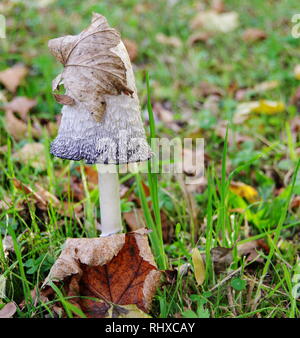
x: 238, y: 88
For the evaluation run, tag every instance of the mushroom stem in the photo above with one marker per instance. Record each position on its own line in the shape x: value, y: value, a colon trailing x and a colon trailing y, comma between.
x: 110, y: 206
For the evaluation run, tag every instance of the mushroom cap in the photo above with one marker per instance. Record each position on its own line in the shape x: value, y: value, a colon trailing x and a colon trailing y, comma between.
x: 118, y: 138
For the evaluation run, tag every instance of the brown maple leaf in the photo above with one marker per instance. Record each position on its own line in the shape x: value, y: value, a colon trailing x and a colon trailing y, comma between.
x: 92, y: 69
x: 126, y: 275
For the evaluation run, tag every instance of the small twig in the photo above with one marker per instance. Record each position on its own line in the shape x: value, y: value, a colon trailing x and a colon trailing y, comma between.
x: 226, y: 279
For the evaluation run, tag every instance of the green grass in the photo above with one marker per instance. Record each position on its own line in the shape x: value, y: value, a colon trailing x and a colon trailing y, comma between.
x: 209, y: 217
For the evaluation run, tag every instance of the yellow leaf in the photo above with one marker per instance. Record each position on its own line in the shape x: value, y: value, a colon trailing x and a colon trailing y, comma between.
x: 244, y: 190
x: 126, y: 311
x: 269, y: 107
x: 199, y: 268
x: 244, y: 109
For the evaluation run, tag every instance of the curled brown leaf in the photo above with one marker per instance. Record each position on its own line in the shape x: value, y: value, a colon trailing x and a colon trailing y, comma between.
x: 91, y: 69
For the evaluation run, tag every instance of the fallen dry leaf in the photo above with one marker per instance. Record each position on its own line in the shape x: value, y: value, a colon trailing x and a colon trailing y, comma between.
x: 21, y: 105
x: 17, y: 128
x: 43, y: 198
x: 46, y: 196
x: 244, y: 110
x: 244, y: 190
x: 162, y: 113
x: 134, y: 219
x: 206, y: 89
x: 254, y: 34
x: 132, y: 49
x: 199, y: 267
x: 199, y: 37
x: 28, y: 191
x: 166, y: 116
x: 215, y: 22
x: 12, y: 77
x: 91, y: 69
x: 172, y: 41
x: 8, y: 310
x: 32, y: 154
x: 250, y: 249
x: 222, y: 257
x: 116, y: 270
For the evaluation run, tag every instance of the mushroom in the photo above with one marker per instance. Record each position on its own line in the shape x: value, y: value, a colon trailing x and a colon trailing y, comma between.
x: 101, y: 119
x: 101, y: 124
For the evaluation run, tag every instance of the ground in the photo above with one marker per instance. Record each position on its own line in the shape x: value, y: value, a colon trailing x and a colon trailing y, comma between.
x: 246, y: 208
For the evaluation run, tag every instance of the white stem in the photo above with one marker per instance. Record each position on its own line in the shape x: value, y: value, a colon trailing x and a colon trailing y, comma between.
x: 110, y: 206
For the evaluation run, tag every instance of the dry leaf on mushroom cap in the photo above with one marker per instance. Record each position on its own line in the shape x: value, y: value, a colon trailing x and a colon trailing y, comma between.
x: 91, y: 68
